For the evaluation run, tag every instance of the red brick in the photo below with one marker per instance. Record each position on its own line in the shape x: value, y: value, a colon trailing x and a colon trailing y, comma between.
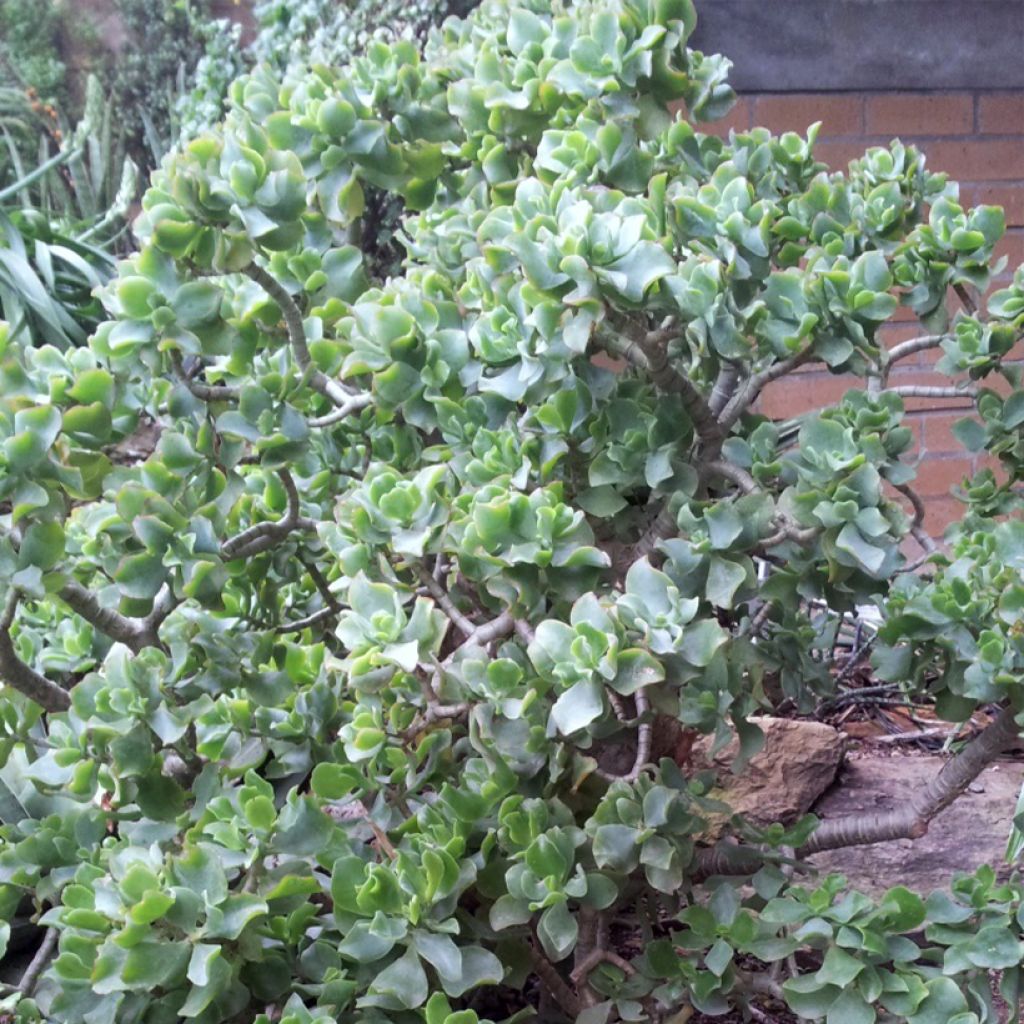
x: 739, y: 119
x: 803, y: 392
x: 1008, y: 195
x: 937, y: 433
x: 904, y: 314
x: 1011, y: 245
x: 977, y: 159
x: 936, y: 476
x: 837, y: 154
x: 892, y: 334
x: 608, y: 362
x: 1001, y: 113
x: 939, y: 513
x: 914, y: 422
x: 931, y: 114
x: 795, y: 112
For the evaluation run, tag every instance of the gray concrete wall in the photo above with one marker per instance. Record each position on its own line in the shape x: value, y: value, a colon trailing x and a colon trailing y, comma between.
x: 859, y: 45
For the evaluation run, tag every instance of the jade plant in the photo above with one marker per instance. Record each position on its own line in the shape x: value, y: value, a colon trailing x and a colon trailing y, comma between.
x: 355, y: 632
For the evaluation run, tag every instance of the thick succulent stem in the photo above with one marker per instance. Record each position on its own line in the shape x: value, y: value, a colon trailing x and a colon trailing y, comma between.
x: 134, y: 633
x: 554, y: 982
x: 21, y: 677
x: 927, y: 391
x: 917, y: 525
x: 263, y: 536
x: 651, y: 357
x: 908, y: 821
x: 204, y: 392
x: 318, y: 380
x: 748, y: 394
x: 911, y: 819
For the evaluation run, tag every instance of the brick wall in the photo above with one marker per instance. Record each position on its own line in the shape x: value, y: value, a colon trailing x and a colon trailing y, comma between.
x: 975, y: 136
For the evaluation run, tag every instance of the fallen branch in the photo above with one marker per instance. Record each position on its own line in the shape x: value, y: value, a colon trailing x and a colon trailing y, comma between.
x: 914, y: 737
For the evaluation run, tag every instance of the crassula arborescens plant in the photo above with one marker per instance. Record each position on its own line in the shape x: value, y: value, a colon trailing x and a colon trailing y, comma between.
x: 355, y: 631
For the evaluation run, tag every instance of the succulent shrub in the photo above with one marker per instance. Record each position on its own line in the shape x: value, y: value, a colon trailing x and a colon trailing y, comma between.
x: 295, y: 34
x: 355, y: 630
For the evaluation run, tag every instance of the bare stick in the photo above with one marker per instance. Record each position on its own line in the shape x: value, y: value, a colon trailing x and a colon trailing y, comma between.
x: 27, y: 985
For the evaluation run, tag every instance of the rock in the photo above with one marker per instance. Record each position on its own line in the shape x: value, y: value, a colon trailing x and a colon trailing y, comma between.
x: 798, y: 762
